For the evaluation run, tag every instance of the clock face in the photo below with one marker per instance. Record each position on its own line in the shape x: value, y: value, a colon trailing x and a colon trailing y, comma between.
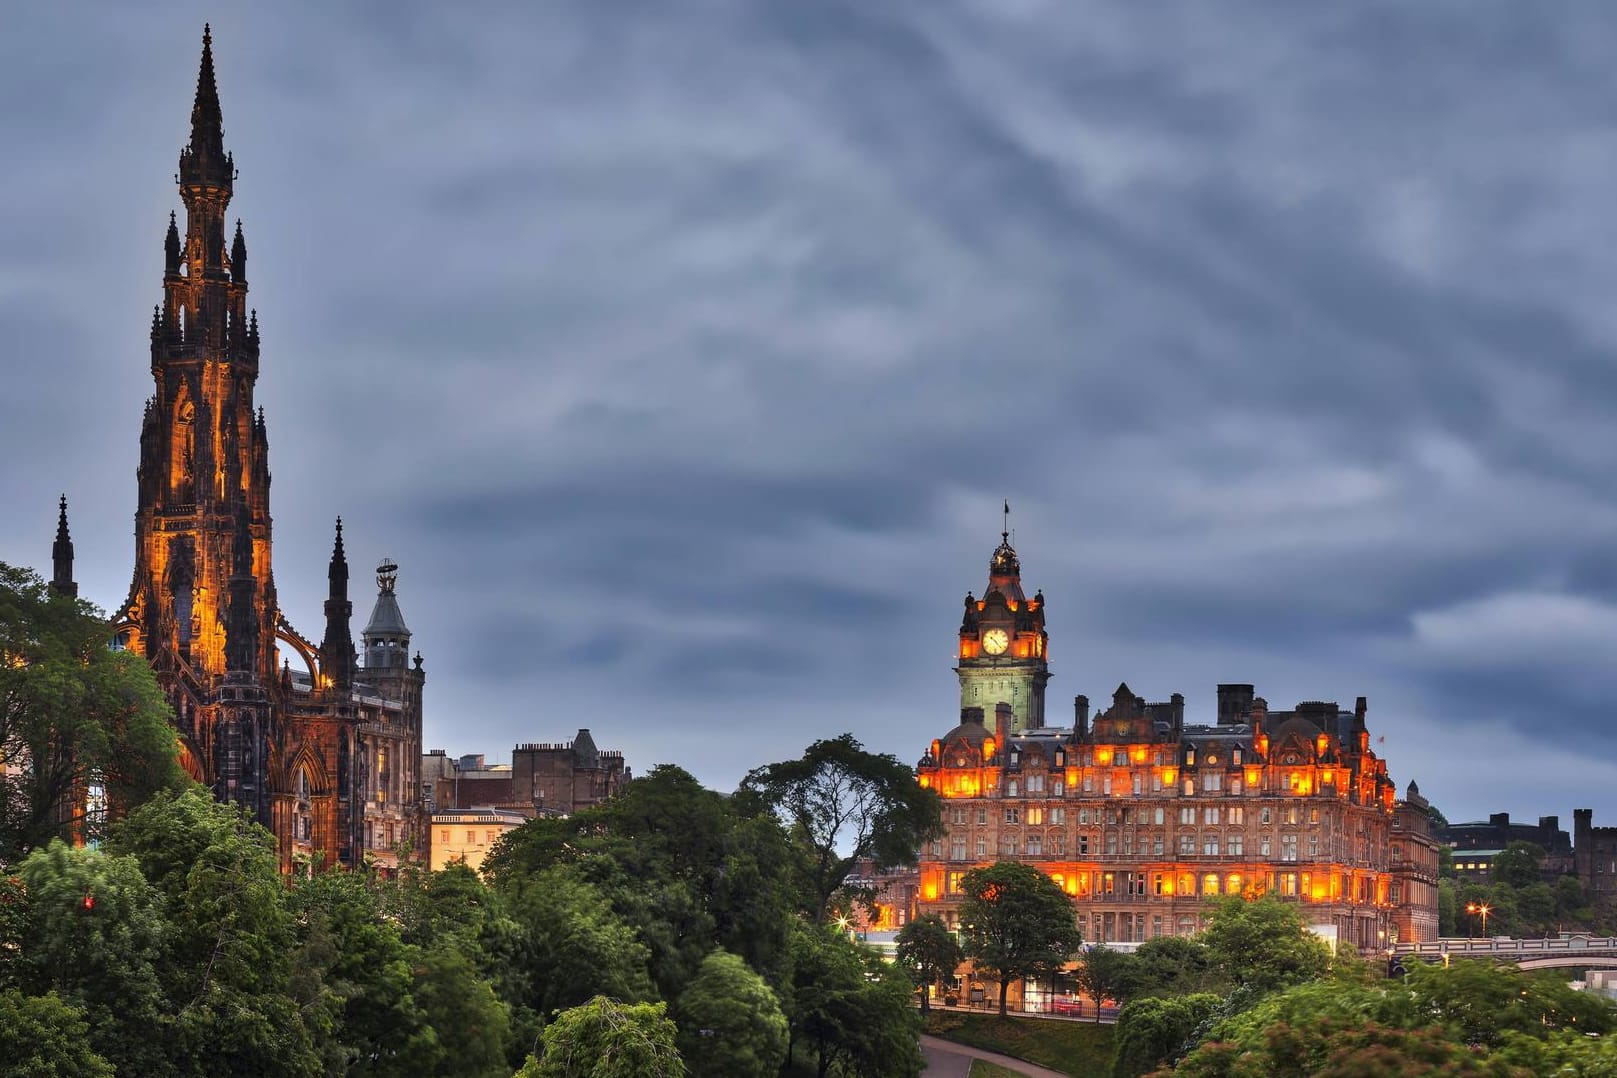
x: 995, y: 641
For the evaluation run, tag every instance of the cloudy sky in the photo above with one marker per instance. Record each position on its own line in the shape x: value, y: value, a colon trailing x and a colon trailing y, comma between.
x: 682, y: 353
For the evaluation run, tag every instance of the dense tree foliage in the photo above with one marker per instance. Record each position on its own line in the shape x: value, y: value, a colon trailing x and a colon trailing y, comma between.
x: 1015, y: 922
x: 607, y: 1039
x: 844, y: 805
x: 1471, y: 1018
x: 1263, y: 944
x: 730, y: 1021
x: 670, y: 922
x: 928, y: 951
x: 76, y: 717
x: 1152, y: 1031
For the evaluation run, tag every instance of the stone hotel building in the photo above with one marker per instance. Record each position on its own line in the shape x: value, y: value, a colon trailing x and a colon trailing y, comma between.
x: 1142, y: 816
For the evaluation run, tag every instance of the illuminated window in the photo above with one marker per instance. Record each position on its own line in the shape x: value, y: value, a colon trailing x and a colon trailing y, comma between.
x: 952, y: 882
x: 1190, y: 786
x: 1210, y: 884
x: 1232, y: 884
x: 1288, y: 884
x: 1035, y: 814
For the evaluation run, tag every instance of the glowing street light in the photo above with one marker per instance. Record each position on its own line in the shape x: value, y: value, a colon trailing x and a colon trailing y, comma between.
x: 1482, y: 909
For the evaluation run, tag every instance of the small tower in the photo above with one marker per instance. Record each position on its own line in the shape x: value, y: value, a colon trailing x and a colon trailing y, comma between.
x: 337, y: 649
x: 386, y: 637
x: 62, y: 582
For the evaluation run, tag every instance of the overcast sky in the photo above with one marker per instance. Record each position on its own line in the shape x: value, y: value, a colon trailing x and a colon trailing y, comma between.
x: 682, y: 353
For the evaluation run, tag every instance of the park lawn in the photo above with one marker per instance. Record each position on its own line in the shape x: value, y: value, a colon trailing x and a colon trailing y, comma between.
x: 981, y: 1068
x: 1069, y: 1047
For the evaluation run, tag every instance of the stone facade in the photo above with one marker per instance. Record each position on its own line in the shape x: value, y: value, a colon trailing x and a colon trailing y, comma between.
x: 325, y: 756
x: 542, y: 779
x: 1141, y: 816
x: 1596, y: 855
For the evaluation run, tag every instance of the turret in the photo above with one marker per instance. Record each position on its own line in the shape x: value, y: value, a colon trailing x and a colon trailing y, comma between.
x: 337, y: 649
x: 62, y: 557
x: 238, y: 256
x: 387, y: 639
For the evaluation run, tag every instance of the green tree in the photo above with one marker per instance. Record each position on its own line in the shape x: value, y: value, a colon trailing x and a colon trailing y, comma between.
x: 730, y: 1022
x: 1517, y: 864
x: 95, y: 932
x: 607, y: 1039
x: 1107, y: 974
x: 227, y: 963
x: 46, y: 1037
x: 1151, y: 1031
x: 1175, y: 966
x: 74, y: 715
x: 1015, y: 922
x: 842, y: 805
x: 929, y: 952
x: 573, y: 947
x: 470, y: 1028
x: 1263, y: 943
x: 851, y: 1010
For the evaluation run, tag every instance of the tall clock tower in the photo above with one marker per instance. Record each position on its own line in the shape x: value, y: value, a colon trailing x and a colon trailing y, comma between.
x: 1004, y: 650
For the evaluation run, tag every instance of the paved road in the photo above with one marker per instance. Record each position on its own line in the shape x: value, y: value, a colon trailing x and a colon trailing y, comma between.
x: 945, y: 1059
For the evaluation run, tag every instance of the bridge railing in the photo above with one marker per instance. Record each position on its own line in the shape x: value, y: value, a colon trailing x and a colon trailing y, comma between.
x: 1506, y: 947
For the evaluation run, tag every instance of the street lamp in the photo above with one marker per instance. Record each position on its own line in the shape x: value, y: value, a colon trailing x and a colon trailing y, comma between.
x: 1482, y: 909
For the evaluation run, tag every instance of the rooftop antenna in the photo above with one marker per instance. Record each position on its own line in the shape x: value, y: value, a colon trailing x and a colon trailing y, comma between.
x: 1005, y: 522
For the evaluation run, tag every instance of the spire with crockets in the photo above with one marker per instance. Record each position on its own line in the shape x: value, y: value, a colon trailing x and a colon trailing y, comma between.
x: 62, y: 557
x: 337, y: 649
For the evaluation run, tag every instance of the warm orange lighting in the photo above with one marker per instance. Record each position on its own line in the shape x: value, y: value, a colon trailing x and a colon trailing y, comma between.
x: 1170, y: 775
x: 925, y: 781
x: 1327, y: 775
x: 1322, y: 742
x: 1072, y: 777
x: 1167, y: 886
x: 931, y: 892
x: 1137, y: 755
x: 1319, y: 892
x: 988, y: 748
x: 1011, y: 603
x: 1103, y: 757
x: 1253, y: 776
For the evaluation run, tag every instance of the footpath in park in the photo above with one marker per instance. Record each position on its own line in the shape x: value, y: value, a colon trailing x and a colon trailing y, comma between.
x: 946, y: 1059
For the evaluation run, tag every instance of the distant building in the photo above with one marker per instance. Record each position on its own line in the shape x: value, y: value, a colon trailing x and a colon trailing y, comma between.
x: 1477, y: 842
x: 1141, y: 817
x: 541, y: 780
x: 465, y: 836
x: 1596, y: 855
x: 1414, y: 869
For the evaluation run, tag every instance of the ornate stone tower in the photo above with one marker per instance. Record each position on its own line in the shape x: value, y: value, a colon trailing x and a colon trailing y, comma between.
x: 1003, y: 646
x: 202, y: 605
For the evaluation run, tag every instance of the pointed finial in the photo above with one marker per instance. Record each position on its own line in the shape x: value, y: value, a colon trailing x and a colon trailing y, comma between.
x: 204, y: 162
x: 61, y: 519
x: 1005, y: 522
x: 337, y: 551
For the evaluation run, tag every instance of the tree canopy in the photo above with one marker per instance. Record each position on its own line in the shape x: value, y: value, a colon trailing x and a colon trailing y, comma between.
x: 843, y: 805
x: 928, y: 951
x: 1016, y: 922
x: 83, y: 724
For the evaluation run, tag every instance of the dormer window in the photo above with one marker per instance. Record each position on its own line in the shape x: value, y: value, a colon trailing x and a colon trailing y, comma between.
x: 1190, y: 756
x: 1016, y: 757
x: 1061, y: 758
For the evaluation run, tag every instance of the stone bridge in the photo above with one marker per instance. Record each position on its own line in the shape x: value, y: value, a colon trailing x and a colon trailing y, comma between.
x: 1573, y: 949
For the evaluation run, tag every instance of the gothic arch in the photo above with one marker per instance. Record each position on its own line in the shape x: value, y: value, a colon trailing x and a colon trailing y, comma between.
x: 308, y: 761
x: 191, y: 760
x: 306, y: 651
